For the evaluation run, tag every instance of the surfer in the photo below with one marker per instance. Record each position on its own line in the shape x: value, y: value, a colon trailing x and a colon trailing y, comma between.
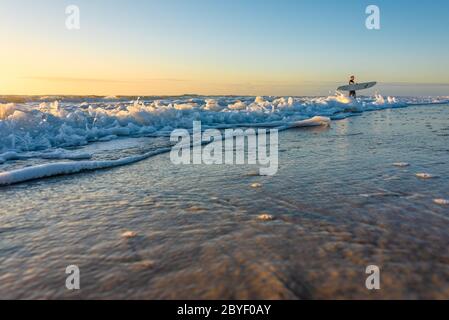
x: 352, y: 82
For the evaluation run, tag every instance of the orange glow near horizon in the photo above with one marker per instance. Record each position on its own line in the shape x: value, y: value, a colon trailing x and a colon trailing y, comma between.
x: 130, y: 56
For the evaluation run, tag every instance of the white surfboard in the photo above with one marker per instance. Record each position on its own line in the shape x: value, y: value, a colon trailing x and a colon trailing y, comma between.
x: 358, y: 86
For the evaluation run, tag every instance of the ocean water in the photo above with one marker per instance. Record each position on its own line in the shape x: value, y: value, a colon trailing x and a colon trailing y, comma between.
x: 343, y: 199
x: 35, y: 134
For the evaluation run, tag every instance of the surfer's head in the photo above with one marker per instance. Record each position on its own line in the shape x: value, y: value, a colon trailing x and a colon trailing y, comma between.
x: 352, y: 77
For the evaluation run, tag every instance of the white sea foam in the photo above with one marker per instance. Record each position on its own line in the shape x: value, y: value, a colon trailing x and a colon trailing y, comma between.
x: 424, y: 175
x: 401, y: 164
x: 51, y: 154
x: 60, y: 168
x: 38, y: 126
x: 39, y: 129
x: 443, y: 202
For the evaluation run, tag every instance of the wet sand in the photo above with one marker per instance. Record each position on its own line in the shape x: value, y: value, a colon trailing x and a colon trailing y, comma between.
x: 154, y: 230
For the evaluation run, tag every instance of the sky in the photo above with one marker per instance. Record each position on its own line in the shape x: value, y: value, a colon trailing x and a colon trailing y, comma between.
x: 239, y: 47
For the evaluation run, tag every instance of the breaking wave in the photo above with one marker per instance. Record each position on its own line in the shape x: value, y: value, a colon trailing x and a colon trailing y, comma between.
x: 36, y: 129
x: 38, y: 126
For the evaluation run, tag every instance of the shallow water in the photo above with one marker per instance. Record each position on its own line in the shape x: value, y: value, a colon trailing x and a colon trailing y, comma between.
x: 338, y: 203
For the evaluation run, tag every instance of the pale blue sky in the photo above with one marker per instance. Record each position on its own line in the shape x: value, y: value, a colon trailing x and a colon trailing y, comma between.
x: 223, y: 47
